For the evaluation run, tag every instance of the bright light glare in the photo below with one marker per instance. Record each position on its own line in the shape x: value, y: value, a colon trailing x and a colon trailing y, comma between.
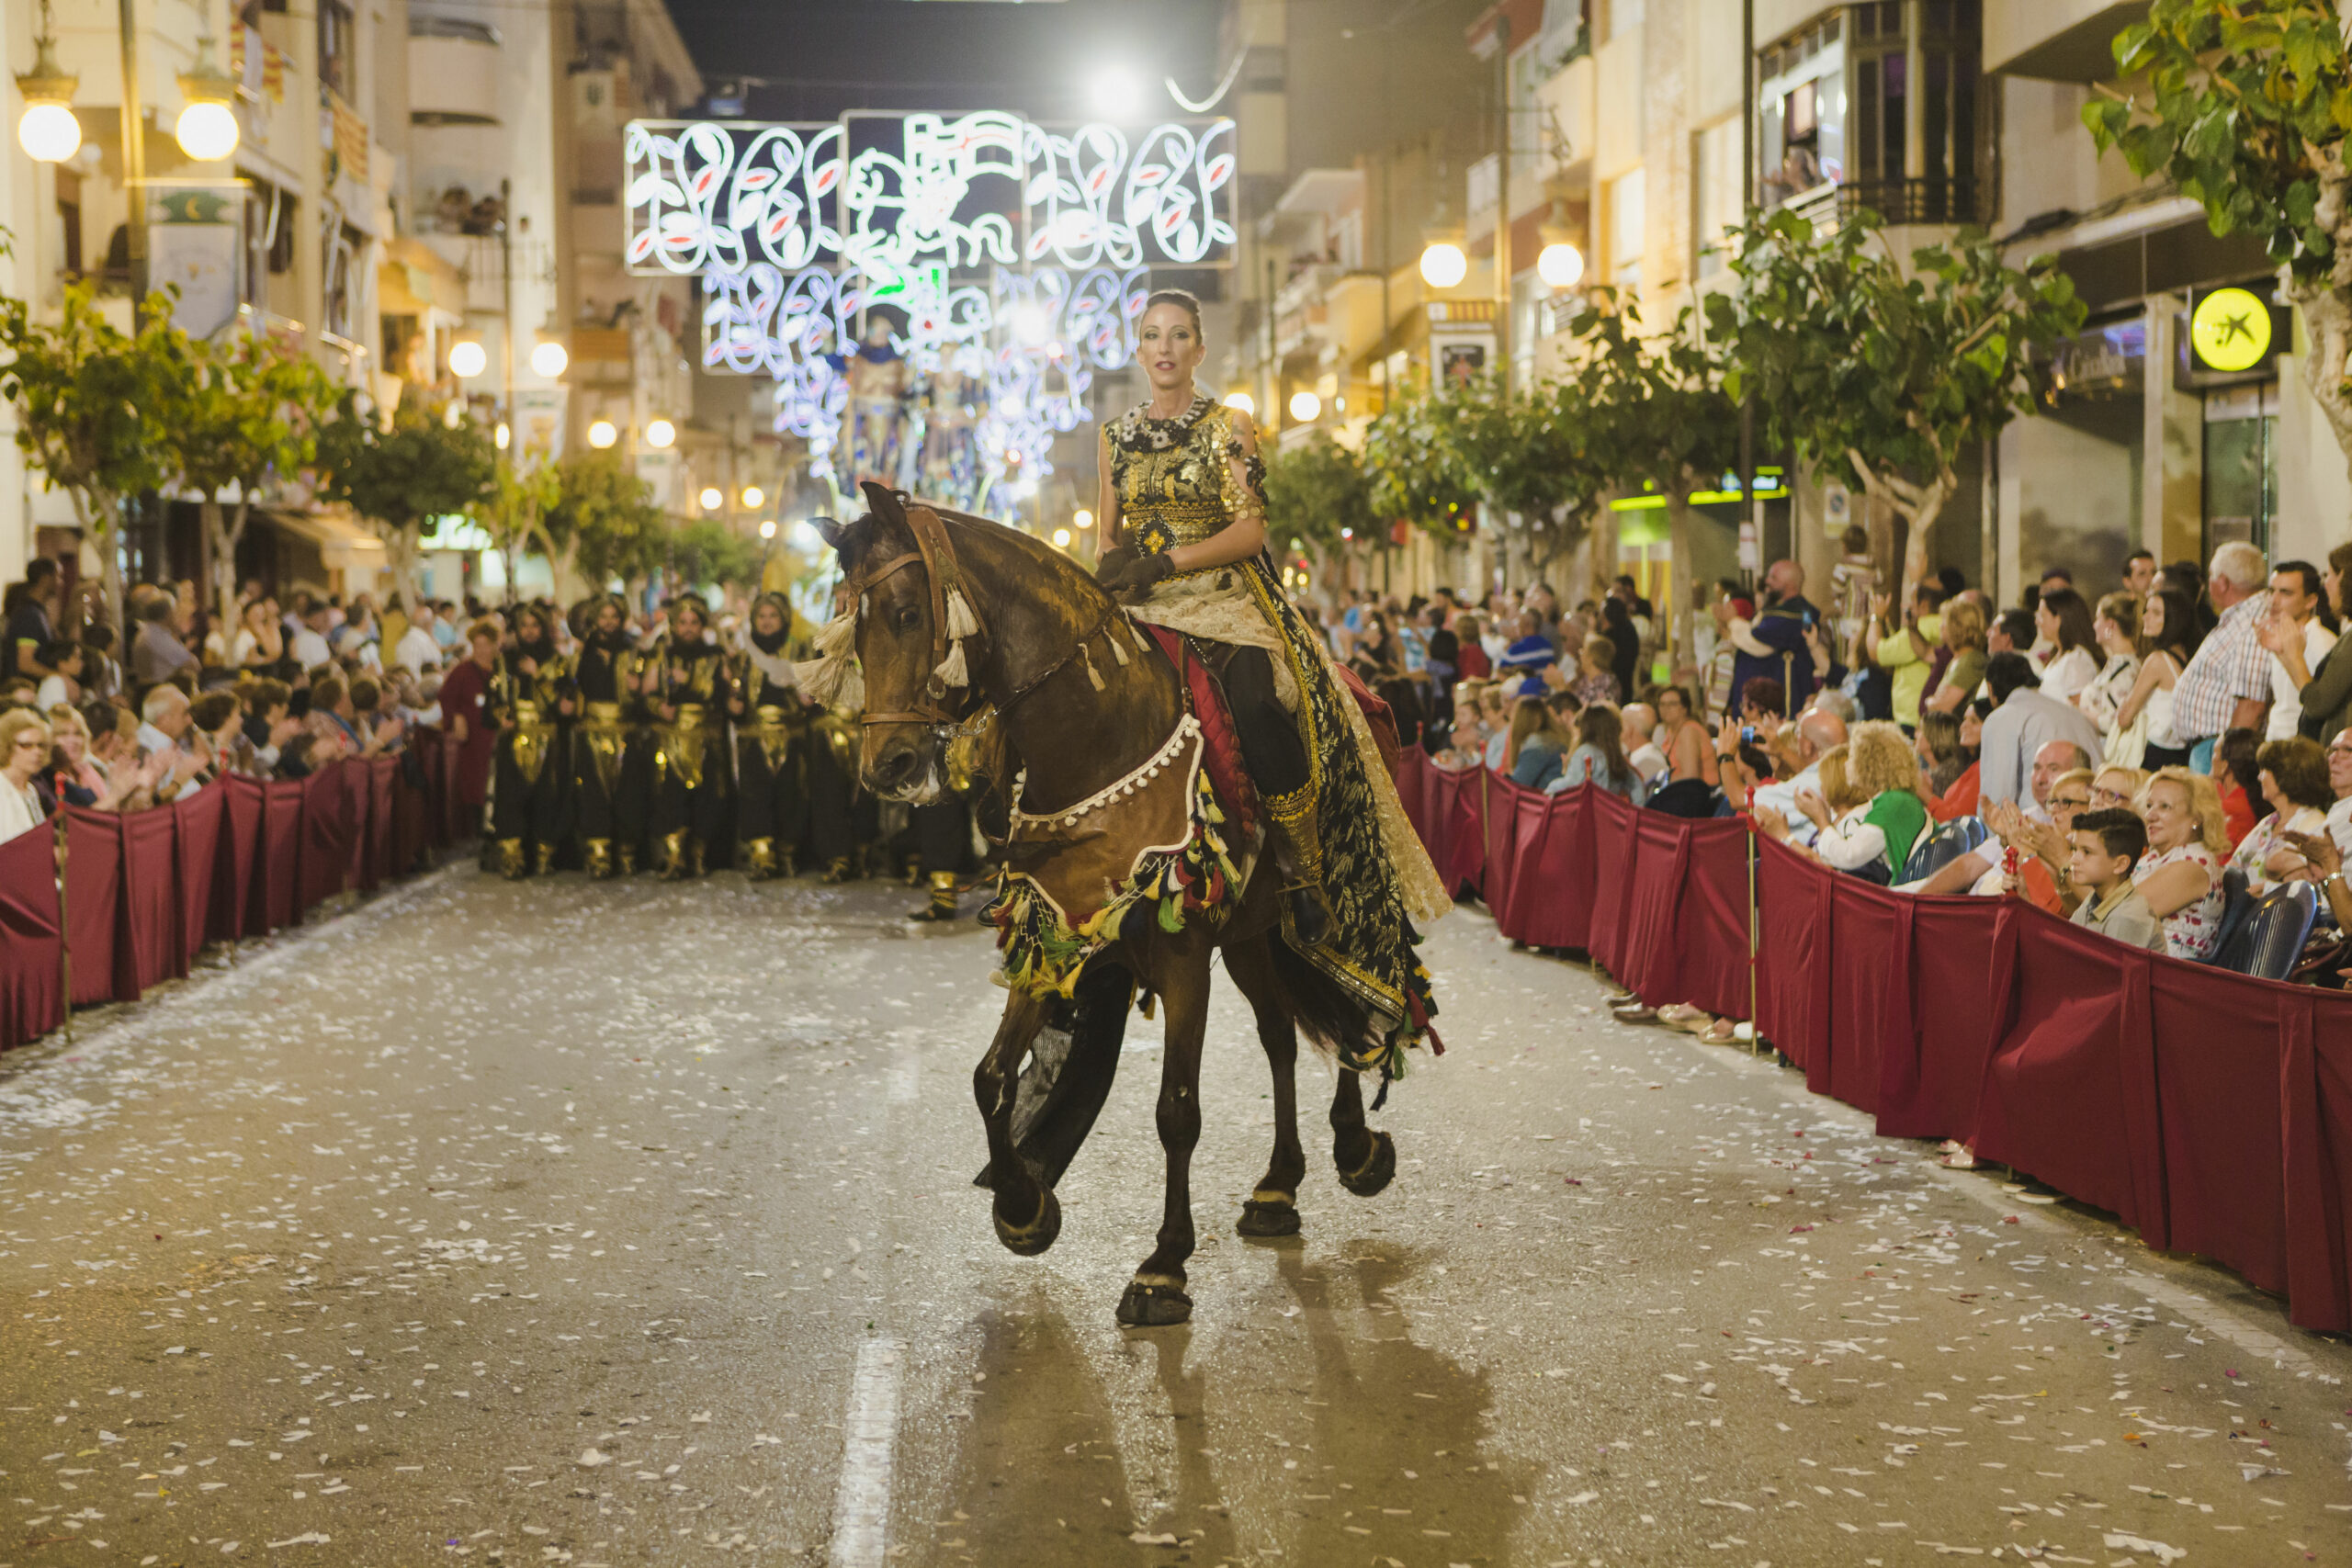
x: 1444, y: 264
x: 1081, y: 519
x: 1306, y: 407
x: 767, y: 527
x: 752, y: 496
x: 1031, y: 324
x: 505, y: 437
x: 1243, y: 401
x: 1115, y: 92
x: 549, y: 358
x: 207, y: 133
x: 468, y: 359
x: 602, y: 435
x: 1560, y: 266
x: 711, y: 499
x: 49, y: 133
x: 1061, y: 539
x: 661, y: 432
x: 805, y: 537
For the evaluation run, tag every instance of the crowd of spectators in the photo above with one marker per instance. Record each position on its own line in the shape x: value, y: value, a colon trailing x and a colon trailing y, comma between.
x: 271, y: 691
x: 2138, y: 754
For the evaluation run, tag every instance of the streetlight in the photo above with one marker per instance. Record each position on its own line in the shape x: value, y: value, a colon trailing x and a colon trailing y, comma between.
x: 602, y: 435
x: 767, y: 527
x: 1081, y: 520
x: 1061, y: 539
x: 1444, y: 263
x: 711, y: 498
x: 1559, y: 263
x: 660, y: 433
x: 549, y: 358
x: 207, y: 129
x: 1306, y: 408
x: 505, y: 436
x: 752, y: 496
x: 468, y: 358
x: 1244, y: 402
x: 49, y: 133
x: 1115, y: 92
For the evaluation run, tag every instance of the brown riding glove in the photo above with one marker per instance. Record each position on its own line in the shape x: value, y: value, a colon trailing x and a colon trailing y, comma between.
x: 1129, y: 574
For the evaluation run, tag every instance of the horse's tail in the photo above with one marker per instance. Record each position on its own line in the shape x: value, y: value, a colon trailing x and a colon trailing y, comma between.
x: 1332, y: 1017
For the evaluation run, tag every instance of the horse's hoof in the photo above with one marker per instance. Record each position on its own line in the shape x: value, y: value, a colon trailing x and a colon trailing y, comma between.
x: 1033, y: 1239
x: 1264, y: 1218
x: 1377, y: 1171
x: 1154, y: 1304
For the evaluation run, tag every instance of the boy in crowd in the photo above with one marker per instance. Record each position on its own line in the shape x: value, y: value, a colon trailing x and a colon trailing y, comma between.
x: 2106, y: 846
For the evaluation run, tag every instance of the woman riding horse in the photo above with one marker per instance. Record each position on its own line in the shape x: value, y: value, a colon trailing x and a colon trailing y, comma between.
x: 1182, y: 544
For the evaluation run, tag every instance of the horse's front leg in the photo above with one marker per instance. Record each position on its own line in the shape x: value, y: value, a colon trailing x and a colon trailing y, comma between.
x: 1366, y: 1158
x: 1156, y: 1297
x: 1273, y: 1207
x: 1027, y: 1216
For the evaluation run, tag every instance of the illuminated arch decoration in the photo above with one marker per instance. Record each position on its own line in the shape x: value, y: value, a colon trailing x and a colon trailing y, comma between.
x: 1018, y: 255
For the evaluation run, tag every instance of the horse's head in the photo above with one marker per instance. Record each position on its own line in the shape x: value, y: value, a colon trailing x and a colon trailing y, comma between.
x: 900, y: 643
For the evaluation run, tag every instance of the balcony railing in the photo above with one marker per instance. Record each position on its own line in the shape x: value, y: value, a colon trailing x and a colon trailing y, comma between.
x: 1938, y: 201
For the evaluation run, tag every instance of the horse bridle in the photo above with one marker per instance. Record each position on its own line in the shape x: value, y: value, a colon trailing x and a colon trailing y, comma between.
x: 935, y: 553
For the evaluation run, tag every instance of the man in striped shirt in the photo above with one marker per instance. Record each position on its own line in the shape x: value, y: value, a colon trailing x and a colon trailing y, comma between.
x: 2226, y: 684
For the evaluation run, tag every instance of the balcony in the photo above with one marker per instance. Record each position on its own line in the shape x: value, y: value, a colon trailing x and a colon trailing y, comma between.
x: 1947, y: 202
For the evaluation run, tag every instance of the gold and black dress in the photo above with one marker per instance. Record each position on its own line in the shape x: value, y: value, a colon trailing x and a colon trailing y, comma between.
x: 1310, y: 751
x: 612, y: 802
x: 531, y: 809
x: 770, y: 761
x: 692, y: 773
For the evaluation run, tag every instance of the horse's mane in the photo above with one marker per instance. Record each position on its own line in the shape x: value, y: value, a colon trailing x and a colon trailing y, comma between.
x: 858, y: 539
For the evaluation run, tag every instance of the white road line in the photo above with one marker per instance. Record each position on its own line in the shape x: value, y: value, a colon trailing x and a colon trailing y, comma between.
x: 870, y: 1436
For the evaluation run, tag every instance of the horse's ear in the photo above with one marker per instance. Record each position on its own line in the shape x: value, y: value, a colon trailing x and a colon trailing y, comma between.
x: 883, y: 502
x: 831, y: 531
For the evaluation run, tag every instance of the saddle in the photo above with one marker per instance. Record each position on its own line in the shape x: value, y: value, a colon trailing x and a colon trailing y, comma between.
x: 1228, y: 774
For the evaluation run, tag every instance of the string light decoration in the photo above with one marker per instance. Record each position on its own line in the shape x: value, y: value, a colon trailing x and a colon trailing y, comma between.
x: 1018, y: 258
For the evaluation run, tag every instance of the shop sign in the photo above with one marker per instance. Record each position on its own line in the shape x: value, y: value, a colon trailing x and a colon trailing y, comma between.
x: 2232, y: 333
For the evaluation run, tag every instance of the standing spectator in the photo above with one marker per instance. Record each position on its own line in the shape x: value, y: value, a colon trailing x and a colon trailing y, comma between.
x: 2139, y: 573
x: 2117, y: 629
x: 2235, y: 776
x: 1729, y: 605
x: 1596, y: 679
x: 2167, y: 642
x: 1774, y: 644
x: 32, y: 620
x: 1624, y: 644
x: 1471, y: 659
x: 1524, y: 660
x: 260, y: 640
x: 1904, y: 651
x: 2063, y: 622
x: 158, y: 654
x: 63, y: 681
x: 2180, y: 876
x: 309, y: 648
x: 101, y: 671
x: 1963, y: 635
x: 1639, y: 721
x: 24, y: 748
x: 2227, y: 685
x: 2299, y: 619
x: 1939, y: 750
x: 2106, y: 846
x: 465, y: 714
x: 270, y: 721
x: 2324, y: 690
x: 1853, y: 583
x: 2023, y: 721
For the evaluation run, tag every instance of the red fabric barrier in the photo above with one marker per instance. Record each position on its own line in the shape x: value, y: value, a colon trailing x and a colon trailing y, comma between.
x: 33, y: 987
x: 240, y: 857
x: 196, y: 862
x: 329, y: 831
x: 151, y: 902
x: 383, y: 783
x: 1554, y: 869
x: 1685, y: 899
x: 1442, y: 791
x: 1931, y: 1065
x: 93, y: 902
x: 277, y: 887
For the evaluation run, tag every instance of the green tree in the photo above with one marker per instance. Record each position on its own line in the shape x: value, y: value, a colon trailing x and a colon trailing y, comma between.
x: 604, y: 525
x: 1884, y: 371
x: 246, y: 418
x: 400, y: 476
x: 513, y: 510
x: 2244, y: 105
x: 706, y: 552
x: 1413, y: 460
x: 1319, y: 499
x: 90, y: 400
x: 1655, y: 417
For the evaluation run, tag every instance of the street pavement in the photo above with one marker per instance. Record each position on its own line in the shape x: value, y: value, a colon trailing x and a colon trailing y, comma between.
x: 619, y: 1224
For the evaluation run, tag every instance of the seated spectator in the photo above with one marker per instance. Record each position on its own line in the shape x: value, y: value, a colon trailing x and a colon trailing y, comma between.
x: 308, y: 648
x: 2292, y: 777
x: 76, y: 776
x: 62, y: 684
x: 1525, y: 660
x: 217, y: 721
x: 1802, y: 744
x: 1939, y: 748
x: 1963, y: 634
x: 2054, y: 759
x: 24, y: 751
x: 1600, y: 758
x: 1682, y: 738
x: 2180, y: 876
x: 2115, y: 789
x: 1963, y: 796
x: 1537, y: 741
x: 1596, y: 681
x: 381, y: 733
x: 158, y: 655
x: 1469, y: 633
x: 163, y: 727
x: 2037, y: 871
x: 1763, y: 700
x: 2339, y: 781
x: 294, y: 758
x: 2106, y: 846
x: 2236, y: 761
x: 1886, y: 819
x: 1640, y: 721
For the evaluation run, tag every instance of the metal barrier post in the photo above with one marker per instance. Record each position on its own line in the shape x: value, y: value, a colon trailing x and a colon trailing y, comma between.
x: 64, y: 938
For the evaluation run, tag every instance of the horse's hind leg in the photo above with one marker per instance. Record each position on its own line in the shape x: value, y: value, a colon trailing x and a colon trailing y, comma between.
x: 1027, y: 1216
x: 1156, y: 1297
x: 1272, y: 1209
x: 1367, y: 1160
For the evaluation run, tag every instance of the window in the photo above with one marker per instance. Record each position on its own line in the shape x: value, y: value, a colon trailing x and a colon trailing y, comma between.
x: 1626, y: 220
x: 339, y: 40
x: 1718, y: 195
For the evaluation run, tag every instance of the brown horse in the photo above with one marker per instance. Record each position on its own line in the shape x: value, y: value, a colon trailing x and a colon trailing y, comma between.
x: 1078, y: 721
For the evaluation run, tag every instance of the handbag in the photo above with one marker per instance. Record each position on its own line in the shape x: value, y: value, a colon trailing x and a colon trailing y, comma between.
x: 2124, y: 747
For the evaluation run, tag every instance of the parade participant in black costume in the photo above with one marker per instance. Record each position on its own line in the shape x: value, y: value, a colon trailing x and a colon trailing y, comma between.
x: 843, y: 820
x: 771, y: 745
x: 611, y: 782
x: 531, y: 696
x: 686, y: 684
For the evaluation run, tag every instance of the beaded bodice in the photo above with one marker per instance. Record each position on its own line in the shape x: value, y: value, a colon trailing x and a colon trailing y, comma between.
x: 1175, y: 477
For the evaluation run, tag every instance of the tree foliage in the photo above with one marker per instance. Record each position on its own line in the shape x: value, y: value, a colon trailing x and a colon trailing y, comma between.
x: 2246, y: 105
x: 1414, y: 461
x: 90, y: 401
x: 1878, y: 372
x: 604, y: 523
x: 1318, y: 493
x: 707, y: 551
x: 400, y: 478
